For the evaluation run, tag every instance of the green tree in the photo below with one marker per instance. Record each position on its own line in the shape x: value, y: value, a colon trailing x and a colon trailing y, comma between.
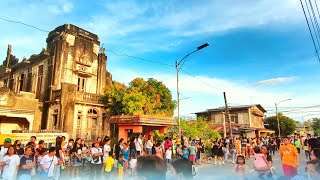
x: 113, y: 98
x: 200, y: 128
x: 149, y: 97
x: 315, y: 124
x: 287, y: 125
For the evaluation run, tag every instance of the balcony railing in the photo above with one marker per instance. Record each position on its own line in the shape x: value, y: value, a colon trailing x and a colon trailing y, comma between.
x: 89, y: 97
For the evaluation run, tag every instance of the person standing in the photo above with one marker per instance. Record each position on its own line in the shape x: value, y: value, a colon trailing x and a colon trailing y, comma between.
x: 149, y: 145
x: 27, y: 162
x: 11, y: 163
x: 139, y: 145
x: 48, y: 164
x: 297, y: 144
x: 232, y: 151
x: 169, y: 155
x: 17, y: 146
x: 96, y: 162
x: 77, y: 159
x: 289, y: 157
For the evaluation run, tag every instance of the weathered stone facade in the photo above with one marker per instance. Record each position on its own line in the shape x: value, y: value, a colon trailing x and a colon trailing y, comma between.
x: 67, y: 79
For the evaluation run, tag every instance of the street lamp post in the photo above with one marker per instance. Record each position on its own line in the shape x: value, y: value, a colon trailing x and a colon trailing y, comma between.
x: 276, y: 104
x: 178, y: 67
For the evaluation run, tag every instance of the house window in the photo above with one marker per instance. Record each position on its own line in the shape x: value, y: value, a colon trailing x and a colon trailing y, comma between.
x: 81, y: 84
x: 21, y: 80
x: 55, y: 120
x: 234, y: 118
x: 5, y: 83
x: 39, y: 84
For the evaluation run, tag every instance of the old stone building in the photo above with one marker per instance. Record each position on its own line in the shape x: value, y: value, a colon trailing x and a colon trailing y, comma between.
x: 57, y: 89
x: 246, y: 120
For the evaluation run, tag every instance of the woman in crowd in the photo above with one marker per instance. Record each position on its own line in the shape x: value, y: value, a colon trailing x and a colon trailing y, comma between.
x: 232, y: 149
x: 96, y: 162
x: 215, y: 151
x: 266, y: 170
x: 159, y: 151
x: 220, y: 153
x: 17, y: 146
x: 77, y: 159
x: 11, y: 163
x: 84, y: 153
x: 59, y: 155
x: 149, y: 145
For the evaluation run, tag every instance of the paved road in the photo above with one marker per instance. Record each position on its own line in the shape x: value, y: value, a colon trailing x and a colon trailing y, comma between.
x: 217, y: 172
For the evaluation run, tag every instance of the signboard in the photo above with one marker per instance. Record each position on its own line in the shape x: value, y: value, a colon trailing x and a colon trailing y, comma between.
x: 49, y: 138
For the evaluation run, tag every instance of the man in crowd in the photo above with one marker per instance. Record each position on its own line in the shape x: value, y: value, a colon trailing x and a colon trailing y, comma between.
x: 289, y: 157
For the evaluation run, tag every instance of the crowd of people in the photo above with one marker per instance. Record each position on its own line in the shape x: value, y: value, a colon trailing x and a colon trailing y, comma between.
x: 75, y: 159
x: 140, y: 158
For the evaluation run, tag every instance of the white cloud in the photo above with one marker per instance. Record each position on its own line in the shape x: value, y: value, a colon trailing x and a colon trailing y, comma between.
x: 208, y: 92
x: 157, y: 23
x: 274, y: 81
x: 60, y: 7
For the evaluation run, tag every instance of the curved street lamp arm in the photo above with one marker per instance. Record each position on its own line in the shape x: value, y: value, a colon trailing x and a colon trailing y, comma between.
x: 183, y: 60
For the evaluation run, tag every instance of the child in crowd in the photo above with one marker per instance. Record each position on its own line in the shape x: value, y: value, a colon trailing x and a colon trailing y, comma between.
x: 168, y: 155
x: 121, y: 167
x: 260, y: 160
x: 185, y: 152
x: 109, y: 164
x: 132, y: 165
x: 241, y: 169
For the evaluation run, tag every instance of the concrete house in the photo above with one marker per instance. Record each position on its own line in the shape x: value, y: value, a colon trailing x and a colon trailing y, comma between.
x: 246, y: 120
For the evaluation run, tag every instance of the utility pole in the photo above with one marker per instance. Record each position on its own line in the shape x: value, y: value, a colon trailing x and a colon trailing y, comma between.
x: 178, y: 98
x: 228, y: 114
x: 224, y: 124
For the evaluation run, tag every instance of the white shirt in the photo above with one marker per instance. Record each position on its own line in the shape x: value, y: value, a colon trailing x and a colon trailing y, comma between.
x: 49, y: 163
x: 1, y: 160
x: 138, y: 143
x: 106, y: 150
x: 38, y: 162
x: 10, y: 165
x: 95, y: 151
x: 3, y: 150
x: 149, y: 144
x: 168, y: 154
x: 133, y: 163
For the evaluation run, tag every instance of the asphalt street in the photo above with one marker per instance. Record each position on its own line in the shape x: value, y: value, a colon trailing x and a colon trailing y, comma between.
x: 217, y: 172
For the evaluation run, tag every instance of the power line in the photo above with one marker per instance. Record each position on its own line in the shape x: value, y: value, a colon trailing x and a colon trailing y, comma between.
x: 25, y: 24
x: 157, y: 62
x: 142, y: 59
x: 314, y: 44
x: 315, y: 18
x: 201, y: 80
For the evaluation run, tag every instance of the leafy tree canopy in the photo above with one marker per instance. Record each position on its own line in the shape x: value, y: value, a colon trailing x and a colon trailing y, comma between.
x: 315, y: 124
x: 141, y: 97
x: 287, y: 125
x: 200, y: 128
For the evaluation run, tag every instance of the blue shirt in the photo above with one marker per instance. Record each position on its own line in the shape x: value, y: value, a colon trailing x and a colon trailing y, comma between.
x: 125, y: 153
x: 185, y: 155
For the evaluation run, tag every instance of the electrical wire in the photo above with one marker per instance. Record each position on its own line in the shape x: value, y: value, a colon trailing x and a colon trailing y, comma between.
x: 142, y: 59
x: 314, y: 43
x: 314, y: 18
x: 25, y: 24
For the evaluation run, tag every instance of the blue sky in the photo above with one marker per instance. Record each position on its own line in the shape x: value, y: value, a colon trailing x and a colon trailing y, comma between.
x: 260, y: 51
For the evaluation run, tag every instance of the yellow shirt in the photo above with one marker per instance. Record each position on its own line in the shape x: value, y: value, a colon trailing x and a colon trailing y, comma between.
x: 109, y: 163
x: 289, y: 155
